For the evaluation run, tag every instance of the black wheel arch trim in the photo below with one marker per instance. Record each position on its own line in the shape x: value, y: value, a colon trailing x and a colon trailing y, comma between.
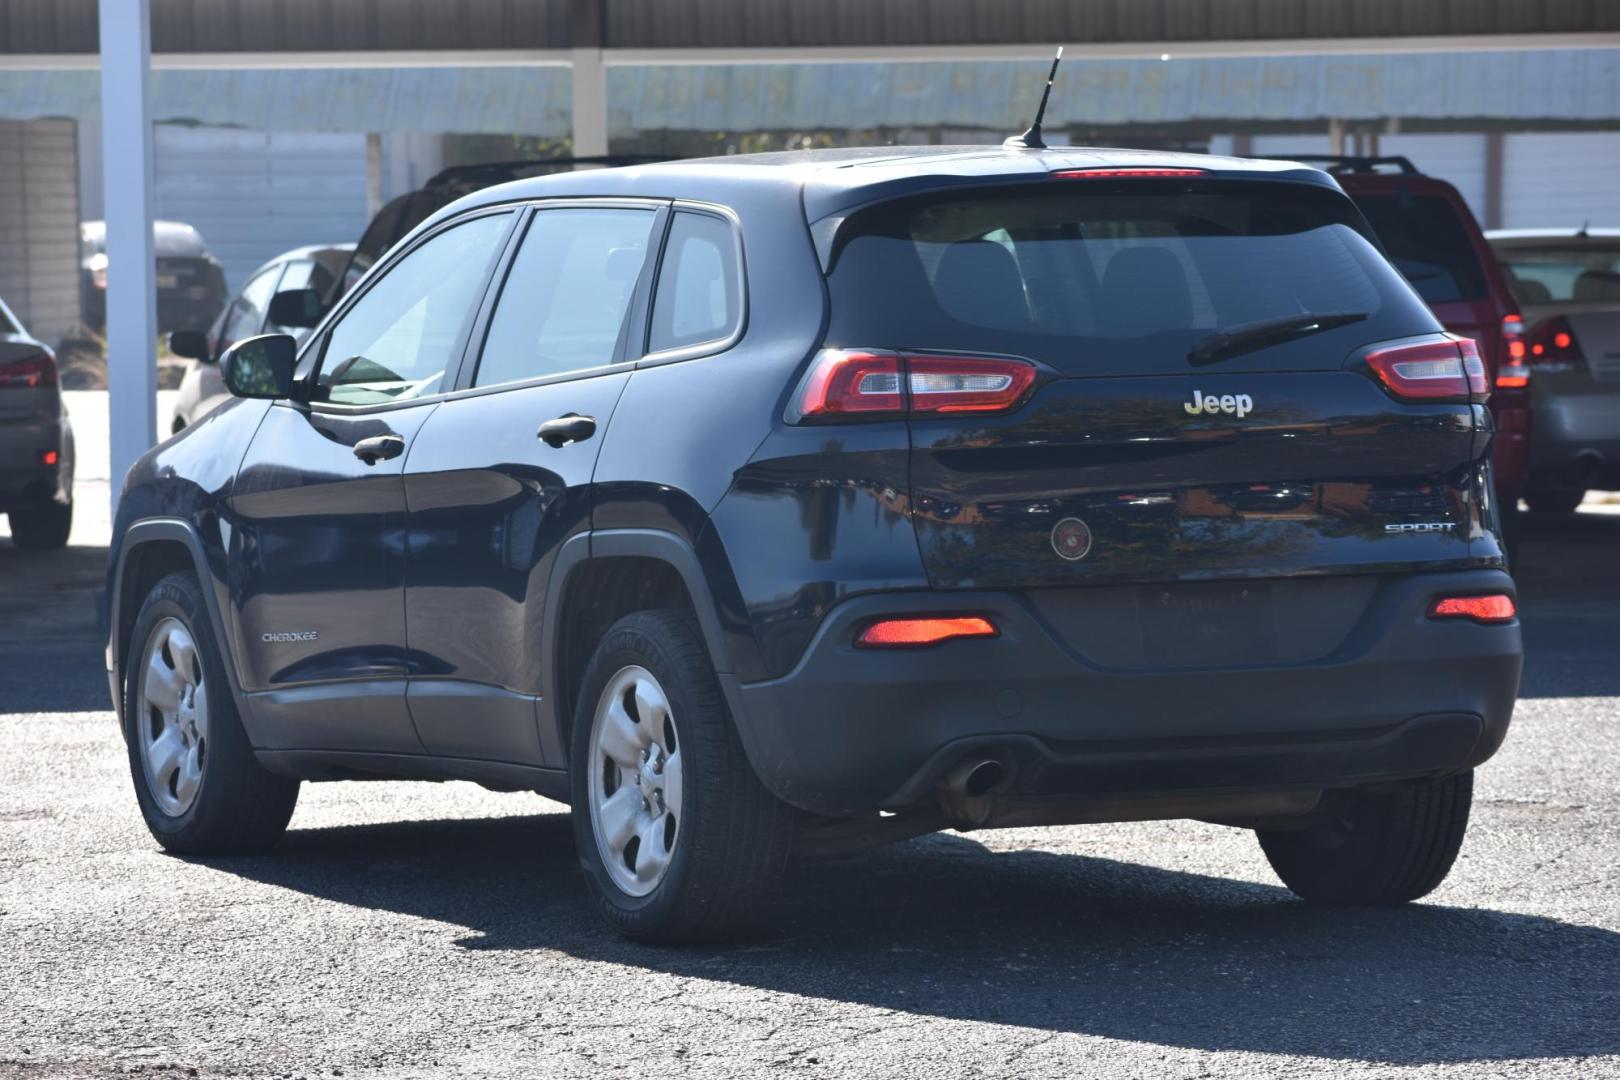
x: 666, y: 547
x: 158, y: 530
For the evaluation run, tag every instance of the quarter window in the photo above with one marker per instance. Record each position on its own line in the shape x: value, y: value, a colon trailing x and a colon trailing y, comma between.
x: 564, y: 305
x: 399, y: 338
x: 699, y: 296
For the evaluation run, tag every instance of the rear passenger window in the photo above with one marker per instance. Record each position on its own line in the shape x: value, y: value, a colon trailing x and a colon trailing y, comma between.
x: 699, y: 296
x: 565, y: 301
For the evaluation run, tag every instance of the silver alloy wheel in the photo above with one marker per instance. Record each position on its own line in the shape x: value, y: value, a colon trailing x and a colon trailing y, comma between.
x: 171, y: 729
x: 635, y: 780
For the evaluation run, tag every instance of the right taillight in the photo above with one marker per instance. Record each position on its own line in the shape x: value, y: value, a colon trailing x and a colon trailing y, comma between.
x: 29, y: 373
x: 866, y: 383
x: 1438, y: 369
x: 1553, y: 347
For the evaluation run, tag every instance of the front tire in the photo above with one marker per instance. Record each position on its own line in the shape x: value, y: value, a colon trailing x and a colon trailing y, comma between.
x: 678, y: 839
x: 1377, y: 847
x: 199, y: 786
x: 44, y: 528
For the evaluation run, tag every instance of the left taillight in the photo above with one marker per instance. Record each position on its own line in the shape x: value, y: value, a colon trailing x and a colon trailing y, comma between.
x: 865, y: 383
x: 1438, y: 369
x: 29, y: 373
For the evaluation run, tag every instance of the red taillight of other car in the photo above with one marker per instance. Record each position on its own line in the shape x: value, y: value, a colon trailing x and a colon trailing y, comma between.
x: 914, y: 632
x: 29, y: 373
x: 871, y: 383
x: 1553, y: 347
x: 1514, y: 371
x: 1431, y: 370
x: 1492, y: 608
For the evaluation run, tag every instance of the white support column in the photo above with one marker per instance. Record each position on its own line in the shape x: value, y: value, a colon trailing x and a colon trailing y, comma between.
x: 590, y: 103
x: 126, y: 141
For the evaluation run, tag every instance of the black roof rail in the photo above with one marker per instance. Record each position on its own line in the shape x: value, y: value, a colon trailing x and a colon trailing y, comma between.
x: 494, y: 172
x: 1341, y: 163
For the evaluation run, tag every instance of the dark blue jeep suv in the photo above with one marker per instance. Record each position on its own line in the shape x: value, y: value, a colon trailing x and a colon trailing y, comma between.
x: 812, y: 500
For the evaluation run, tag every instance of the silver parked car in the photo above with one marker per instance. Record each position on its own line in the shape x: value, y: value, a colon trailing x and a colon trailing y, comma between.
x: 36, y: 440
x: 1568, y: 284
x: 287, y: 295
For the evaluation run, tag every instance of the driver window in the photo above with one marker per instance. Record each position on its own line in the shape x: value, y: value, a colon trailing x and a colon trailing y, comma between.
x: 397, y: 340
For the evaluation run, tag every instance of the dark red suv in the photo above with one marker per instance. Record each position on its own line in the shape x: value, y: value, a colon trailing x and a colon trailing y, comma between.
x: 1431, y: 236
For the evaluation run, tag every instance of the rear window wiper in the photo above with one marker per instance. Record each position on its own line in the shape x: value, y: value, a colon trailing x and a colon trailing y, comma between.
x: 1247, y: 337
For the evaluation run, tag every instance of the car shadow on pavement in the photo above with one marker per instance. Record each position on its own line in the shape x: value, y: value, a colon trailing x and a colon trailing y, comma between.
x: 944, y: 927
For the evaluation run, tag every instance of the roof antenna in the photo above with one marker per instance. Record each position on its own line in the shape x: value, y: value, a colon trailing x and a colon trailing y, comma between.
x: 1031, y: 139
x: 1585, y: 229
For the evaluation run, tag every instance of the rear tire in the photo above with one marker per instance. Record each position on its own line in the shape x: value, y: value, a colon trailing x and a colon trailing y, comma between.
x: 199, y: 786
x: 1550, y: 498
x: 651, y: 732
x: 43, y: 528
x: 1377, y: 847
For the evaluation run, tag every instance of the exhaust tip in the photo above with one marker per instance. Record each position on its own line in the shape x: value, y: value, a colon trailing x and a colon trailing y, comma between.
x: 976, y: 776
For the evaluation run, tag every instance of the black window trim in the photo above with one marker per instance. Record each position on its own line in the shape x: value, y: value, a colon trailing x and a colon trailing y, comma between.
x: 717, y: 345
x: 637, y: 315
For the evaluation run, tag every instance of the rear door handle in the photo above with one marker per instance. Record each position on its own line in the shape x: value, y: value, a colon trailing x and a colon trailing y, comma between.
x: 571, y: 428
x: 379, y: 448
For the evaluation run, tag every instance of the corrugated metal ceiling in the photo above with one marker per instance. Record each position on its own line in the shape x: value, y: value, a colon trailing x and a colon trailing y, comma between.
x: 69, y: 26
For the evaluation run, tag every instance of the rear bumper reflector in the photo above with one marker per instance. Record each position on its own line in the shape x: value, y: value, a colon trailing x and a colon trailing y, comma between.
x: 1491, y: 608
x: 918, y: 632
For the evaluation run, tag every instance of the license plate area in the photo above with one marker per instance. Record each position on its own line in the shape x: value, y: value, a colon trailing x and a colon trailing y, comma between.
x: 1178, y: 626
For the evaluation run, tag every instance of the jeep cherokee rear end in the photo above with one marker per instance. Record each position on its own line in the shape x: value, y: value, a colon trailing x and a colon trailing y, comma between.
x: 1195, y: 481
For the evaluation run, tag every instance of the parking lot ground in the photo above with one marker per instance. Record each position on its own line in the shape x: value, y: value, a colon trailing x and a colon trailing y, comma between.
x: 442, y: 930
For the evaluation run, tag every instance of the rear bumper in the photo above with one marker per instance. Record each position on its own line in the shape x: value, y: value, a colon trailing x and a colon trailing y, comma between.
x: 851, y: 731
x: 25, y: 483
x: 1577, y: 435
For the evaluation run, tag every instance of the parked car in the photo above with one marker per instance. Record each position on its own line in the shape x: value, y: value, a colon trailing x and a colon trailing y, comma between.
x: 305, y: 274
x: 1568, y: 281
x: 1432, y: 237
x: 190, y: 281
x: 36, y: 440
x: 818, y: 498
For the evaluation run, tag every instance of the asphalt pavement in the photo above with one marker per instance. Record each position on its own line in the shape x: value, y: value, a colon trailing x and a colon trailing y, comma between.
x: 409, y: 929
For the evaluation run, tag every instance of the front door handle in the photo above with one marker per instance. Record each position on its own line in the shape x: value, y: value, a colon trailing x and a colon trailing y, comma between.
x: 567, y: 429
x: 379, y: 448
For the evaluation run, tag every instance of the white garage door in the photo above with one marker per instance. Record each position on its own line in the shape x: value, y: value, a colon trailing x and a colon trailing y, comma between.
x: 255, y: 194
x: 1562, y: 179
x: 39, y: 225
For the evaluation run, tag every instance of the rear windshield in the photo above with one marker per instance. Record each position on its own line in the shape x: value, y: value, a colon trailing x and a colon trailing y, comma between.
x: 1587, y: 274
x: 1427, y: 241
x: 1123, y: 278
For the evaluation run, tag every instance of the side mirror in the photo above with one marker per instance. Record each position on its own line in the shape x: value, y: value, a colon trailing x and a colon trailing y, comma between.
x: 190, y: 344
x: 260, y: 367
x: 296, y: 308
